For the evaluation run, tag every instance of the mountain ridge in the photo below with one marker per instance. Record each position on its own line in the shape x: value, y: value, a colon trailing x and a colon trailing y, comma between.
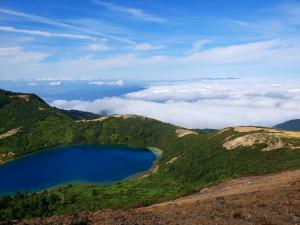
x: 292, y: 125
x: 191, y: 160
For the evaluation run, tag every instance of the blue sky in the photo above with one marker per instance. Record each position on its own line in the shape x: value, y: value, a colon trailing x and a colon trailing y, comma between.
x: 149, y: 39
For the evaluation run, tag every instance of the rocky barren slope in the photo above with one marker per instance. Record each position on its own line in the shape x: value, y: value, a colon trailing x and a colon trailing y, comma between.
x: 271, y: 199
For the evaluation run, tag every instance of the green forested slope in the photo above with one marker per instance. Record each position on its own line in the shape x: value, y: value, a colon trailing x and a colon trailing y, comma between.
x: 187, y: 164
x: 23, y: 110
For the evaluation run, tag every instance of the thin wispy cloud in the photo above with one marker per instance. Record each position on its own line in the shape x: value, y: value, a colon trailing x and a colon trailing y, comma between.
x: 147, y: 47
x: 75, y: 25
x: 288, y: 11
x: 236, y: 53
x: 278, y: 20
x: 98, y: 47
x: 34, y: 18
x: 44, y: 33
x: 253, y: 57
x: 101, y: 29
x: 198, y: 45
x: 134, y: 12
x: 16, y: 55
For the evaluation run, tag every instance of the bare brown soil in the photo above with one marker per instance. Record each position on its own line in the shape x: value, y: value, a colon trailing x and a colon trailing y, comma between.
x: 24, y: 97
x: 184, y: 132
x: 265, y: 200
x: 9, y: 133
x: 122, y: 116
x: 172, y: 160
x: 93, y: 120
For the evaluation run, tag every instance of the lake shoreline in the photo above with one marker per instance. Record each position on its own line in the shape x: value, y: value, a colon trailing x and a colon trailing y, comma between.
x: 158, y: 152
x: 109, y: 181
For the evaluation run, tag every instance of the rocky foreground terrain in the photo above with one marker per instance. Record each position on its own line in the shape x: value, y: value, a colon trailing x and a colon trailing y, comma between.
x: 268, y: 200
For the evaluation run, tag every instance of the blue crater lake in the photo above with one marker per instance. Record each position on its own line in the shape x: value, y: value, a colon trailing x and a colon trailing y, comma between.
x: 73, y: 164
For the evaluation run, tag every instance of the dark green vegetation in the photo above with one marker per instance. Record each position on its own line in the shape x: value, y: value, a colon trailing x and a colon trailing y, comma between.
x: 187, y: 164
x: 292, y: 125
x: 79, y: 115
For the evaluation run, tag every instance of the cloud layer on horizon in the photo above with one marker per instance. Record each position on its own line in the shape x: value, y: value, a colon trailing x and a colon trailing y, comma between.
x: 274, y: 57
x: 205, y: 104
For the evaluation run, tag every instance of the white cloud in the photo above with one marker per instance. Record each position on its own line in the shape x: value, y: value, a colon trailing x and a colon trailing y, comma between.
x: 198, y: 45
x: 98, y: 47
x: 261, y: 58
x: 236, y: 53
x: 54, y: 79
x: 32, y: 84
x: 137, y: 13
x: 17, y: 55
x: 118, y: 83
x: 99, y: 83
x: 147, y: 47
x: 55, y: 83
x: 122, y: 61
x: 43, y: 33
x: 205, y: 104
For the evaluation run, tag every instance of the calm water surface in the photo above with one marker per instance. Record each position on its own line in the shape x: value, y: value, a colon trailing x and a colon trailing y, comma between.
x: 87, y: 164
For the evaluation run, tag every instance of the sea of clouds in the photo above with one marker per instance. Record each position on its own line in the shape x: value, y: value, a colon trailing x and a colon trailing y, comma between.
x: 205, y: 104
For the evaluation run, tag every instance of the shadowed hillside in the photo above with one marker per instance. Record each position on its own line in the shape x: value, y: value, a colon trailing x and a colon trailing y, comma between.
x: 293, y: 125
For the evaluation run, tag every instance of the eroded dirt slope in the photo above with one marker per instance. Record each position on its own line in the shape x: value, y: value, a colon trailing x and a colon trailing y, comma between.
x: 269, y: 200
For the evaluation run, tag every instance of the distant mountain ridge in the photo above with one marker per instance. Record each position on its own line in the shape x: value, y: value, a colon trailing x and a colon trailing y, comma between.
x: 25, y: 109
x: 291, y: 125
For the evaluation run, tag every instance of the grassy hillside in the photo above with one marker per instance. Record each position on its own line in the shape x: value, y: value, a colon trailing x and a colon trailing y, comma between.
x: 23, y: 110
x: 190, y: 160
